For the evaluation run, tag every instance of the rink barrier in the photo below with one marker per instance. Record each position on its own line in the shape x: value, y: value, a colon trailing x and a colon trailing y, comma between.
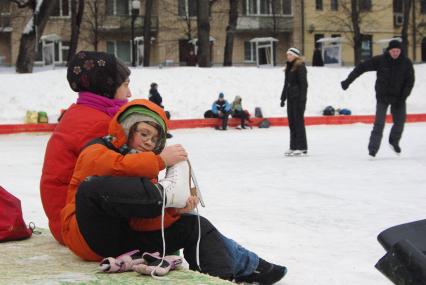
x: 210, y: 123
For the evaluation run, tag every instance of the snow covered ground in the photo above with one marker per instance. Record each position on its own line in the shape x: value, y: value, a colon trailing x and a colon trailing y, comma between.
x: 189, y: 91
x: 319, y: 215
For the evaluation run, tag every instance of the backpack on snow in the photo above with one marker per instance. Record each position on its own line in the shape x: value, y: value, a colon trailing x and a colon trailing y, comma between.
x: 345, y: 111
x: 258, y: 112
x: 12, y: 225
x: 328, y: 111
x: 208, y: 114
x: 264, y: 124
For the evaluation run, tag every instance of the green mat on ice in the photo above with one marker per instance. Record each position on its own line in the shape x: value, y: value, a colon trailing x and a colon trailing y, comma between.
x: 41, y: 260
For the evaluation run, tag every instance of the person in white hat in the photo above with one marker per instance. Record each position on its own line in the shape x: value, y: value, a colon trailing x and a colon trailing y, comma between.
x: 295, y: 91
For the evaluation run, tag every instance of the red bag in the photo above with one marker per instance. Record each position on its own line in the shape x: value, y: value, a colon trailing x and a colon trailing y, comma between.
x: 12, y: 225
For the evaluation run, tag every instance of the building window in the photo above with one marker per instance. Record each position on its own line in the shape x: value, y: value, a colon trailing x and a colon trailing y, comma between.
x: 118, y: 7
x: 398, y: 6
x: 52, y: 51
x: 335, y: 36
x: 366, y: 47
x: 334, y: 5
x: 259, y: 7
x: 187, y: 8
x: 249, y: 51
x: 121, y: 49
x: 365, y: 5
x: 61, y: 8
x: 287, y: 7
x: 318, y: 4
x: 423, y: 6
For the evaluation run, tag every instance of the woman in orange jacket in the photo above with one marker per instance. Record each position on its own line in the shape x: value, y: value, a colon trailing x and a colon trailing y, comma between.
x: 102, y: 83
x: 115, y: 203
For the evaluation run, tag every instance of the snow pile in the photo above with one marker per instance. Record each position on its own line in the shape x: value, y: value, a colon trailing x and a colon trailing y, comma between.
x: 189, y: 91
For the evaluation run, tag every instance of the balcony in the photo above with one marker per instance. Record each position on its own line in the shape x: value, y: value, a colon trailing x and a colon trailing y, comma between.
x: 122, y: 24
x: 271, y: 23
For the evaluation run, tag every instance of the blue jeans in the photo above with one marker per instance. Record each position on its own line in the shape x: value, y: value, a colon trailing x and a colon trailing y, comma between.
x: 245, y: 261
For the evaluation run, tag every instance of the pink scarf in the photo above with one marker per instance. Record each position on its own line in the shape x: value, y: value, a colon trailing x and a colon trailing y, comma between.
x: 103, y: 104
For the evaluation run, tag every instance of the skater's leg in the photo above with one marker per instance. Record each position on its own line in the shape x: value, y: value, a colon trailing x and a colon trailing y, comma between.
x: 299, y: 125
x: 291, y: 117
x: 399, y: 114
x: 379, y: 125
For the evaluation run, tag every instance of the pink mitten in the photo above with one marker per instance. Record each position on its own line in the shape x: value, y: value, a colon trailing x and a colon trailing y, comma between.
x: 152, y: 260
x: 124, y: 262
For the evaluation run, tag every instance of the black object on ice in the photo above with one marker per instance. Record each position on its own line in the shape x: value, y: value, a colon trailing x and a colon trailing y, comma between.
x: 405, y: 260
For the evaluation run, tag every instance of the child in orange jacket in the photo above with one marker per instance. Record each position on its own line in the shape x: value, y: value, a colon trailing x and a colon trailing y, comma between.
x: 114, y: 183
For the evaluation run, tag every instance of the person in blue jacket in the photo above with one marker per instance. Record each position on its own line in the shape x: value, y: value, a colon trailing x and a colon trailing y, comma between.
x: 221, y: 109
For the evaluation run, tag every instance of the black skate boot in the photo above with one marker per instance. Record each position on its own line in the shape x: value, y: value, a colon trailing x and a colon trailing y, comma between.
x: 395, y: 147
x: 265, y: 274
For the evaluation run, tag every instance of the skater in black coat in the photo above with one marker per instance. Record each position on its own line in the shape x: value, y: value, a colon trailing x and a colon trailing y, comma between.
x: 395, y: 80
x: 295, y: 91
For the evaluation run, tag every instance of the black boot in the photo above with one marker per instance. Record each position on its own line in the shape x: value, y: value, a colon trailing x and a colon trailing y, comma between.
x: 395, y: 147
x: 266, y: 273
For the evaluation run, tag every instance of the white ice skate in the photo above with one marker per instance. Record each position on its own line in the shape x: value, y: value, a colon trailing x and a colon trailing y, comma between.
x: 177, y: 185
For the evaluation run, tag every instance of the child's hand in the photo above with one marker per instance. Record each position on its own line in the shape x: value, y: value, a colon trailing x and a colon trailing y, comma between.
x: 173, y: 154
x: 191, y: 203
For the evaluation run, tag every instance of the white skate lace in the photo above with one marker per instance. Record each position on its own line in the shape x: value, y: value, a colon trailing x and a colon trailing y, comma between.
x: 162, y: 227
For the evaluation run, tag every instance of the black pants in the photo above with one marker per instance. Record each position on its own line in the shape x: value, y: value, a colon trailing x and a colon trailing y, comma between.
x: 296, y: 122
x: 224, y: 116
x: 105, y: 204
x: 242, y: 115
x: 399, y: 113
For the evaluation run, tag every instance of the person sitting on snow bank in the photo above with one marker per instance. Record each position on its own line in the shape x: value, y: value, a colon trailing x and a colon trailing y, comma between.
x: 115, y: 203
x: 221, y: 109
x: 102, y: 83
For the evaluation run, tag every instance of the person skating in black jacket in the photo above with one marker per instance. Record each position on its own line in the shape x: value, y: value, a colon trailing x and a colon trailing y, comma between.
x: 395, y: 80
x: 295, y: 91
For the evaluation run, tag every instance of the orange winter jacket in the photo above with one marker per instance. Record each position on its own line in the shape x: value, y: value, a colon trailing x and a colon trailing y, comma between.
x: 79, y: 125
x: 97, y: 159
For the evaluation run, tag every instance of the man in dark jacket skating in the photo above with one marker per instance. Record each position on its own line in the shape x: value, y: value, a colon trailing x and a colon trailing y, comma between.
x: 395, y: 80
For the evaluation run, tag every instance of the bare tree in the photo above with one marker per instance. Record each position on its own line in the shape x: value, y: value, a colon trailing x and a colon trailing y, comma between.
x: 77, y: 9
x: 404, y: 31
x: 230, y: 30
x: 41, y: 11
x: 147, y: 33
x: 203, y: 27
x: 355, y: 14
x: 93, y: 21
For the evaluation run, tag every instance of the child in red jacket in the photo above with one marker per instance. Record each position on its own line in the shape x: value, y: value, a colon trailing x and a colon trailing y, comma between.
x: 102, y: 83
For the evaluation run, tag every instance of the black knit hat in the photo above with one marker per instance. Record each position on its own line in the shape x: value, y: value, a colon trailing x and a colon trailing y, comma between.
x: 97, y: 72
x: 394, y: 44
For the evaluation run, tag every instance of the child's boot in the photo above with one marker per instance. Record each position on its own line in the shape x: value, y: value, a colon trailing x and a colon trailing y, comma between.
x: 265, y: 273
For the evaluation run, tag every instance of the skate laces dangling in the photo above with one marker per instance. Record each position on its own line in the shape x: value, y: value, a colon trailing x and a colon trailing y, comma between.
x: 194, y: 191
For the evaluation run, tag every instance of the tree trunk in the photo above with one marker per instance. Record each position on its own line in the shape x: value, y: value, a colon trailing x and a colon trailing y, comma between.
x: 147, y: 33
x: 404, y: 31
x: 357, y: 37
x: 203, y: 25
x: 26, y: 56
x: 230, y: 30
x: 77, y: 9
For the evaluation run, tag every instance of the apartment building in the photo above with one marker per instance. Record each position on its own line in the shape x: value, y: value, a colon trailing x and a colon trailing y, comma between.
x: 327, y: 26
x: 264, y: 31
